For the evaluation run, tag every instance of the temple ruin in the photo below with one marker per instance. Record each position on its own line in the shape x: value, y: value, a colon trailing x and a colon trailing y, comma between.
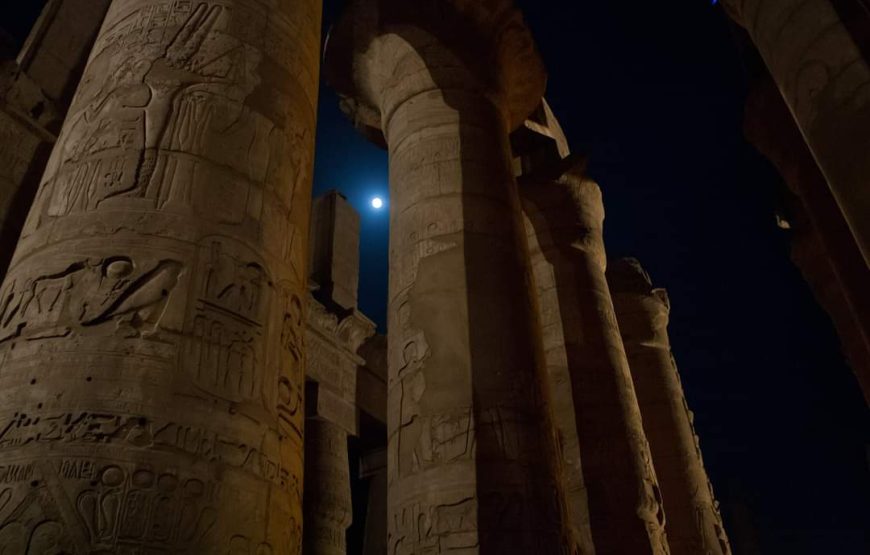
x: 183, y: 360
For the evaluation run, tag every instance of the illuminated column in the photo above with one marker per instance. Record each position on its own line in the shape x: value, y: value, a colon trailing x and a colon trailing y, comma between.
x: 824, y: 75
x: 470, y: 458
x: 694, y: 523
x: 566, y: 212
x: 151, y: 361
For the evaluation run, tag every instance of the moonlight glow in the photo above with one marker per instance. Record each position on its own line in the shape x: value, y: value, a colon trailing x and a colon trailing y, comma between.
x: 377, y: 203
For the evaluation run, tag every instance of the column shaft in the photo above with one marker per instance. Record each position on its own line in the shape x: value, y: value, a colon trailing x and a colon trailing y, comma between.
x: 824, y: 76
x: 623, y: 496
x: 151, y: 361
x: 561, y: 398
x: 328, y: 510
x: 694, y: 523
x: 469, y: 450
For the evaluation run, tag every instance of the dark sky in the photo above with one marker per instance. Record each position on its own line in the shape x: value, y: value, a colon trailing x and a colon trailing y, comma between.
x: 654, y: 93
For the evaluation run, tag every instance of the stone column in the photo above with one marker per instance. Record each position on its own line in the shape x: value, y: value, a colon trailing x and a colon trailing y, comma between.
x: 151, y: 323
x: 823, y: 246
x: 824, y: 75
x: 694, y: 523
x: 328, y: 510
x: 540, y: 142
x: 566, y: 211
x: 470, y: 453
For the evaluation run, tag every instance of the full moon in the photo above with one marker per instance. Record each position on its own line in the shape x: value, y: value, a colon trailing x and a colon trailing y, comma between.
x: 377, y: 203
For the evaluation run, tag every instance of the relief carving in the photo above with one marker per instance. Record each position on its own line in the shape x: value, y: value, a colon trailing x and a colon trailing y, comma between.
x: 161, y: 119
x: 86, y: 294
x: 138, y: 508
x: 225, y: 350
x: 440, y: 528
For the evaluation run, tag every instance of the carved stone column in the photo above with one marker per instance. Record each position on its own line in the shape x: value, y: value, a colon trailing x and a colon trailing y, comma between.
x: 470, y: 449
x: 694, y: 523
x: 328, y: 510
x: 823, y: 74
x: 151, y: 323
x: 566, y: 211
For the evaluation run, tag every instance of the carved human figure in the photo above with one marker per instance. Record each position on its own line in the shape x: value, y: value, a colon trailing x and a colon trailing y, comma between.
x: 151, y: 345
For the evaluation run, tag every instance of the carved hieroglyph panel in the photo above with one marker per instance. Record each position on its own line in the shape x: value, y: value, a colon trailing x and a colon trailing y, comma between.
x: 151, y: 324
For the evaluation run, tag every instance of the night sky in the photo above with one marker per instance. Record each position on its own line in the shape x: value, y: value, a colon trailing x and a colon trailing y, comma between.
x: 653, y: 92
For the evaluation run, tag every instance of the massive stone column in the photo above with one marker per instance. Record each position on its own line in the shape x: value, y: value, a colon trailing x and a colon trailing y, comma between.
x: 566, y: 211
x: 151, y: 323
x: 824, y: 77
x: 694, y: 523
x: 470, y: 456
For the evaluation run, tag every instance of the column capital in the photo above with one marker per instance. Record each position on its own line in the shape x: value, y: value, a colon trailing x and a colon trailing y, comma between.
x: 458, y: 43
x: 629, y: 282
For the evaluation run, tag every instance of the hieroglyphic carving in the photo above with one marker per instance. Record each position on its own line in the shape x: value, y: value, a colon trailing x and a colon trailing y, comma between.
x: 164, y: 125
x: 262, y: 458
x: 87, y: 293
x: 153, y: 311
x: 129, y: 509
x: 225, y: 351
x: 435, y: 529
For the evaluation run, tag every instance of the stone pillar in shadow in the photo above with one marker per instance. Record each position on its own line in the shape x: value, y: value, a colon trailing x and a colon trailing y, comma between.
x: 152, y: 318
x: 541, y: 141
x: 327, y: 503
x: 565, y: 210
x: 694, y: 523
x: 820, y: 65
x: 470, y: 459
x: 35, y: 93
x: 374, y: 469
x: 823, y: 246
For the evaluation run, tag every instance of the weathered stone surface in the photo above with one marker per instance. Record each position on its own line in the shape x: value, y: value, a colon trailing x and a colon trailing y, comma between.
x: 470, y: 454
x: 541, y: 141
x: 624, y: 503
x: 371, y: 383
x: 823, y: 246
x: 694, y: 523
x: 152, y: 319
x: 55, y: 53
x: 331, y: 343
x: 35, y: 93
x: 335, y: 250
x: 328, y: 509
x: 824, y: 77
